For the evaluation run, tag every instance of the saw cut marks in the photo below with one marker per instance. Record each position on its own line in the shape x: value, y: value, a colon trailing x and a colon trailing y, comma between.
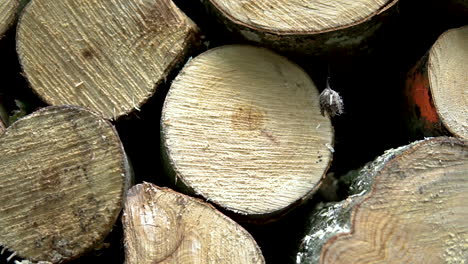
x: 415, y: 212
x: 162, y: 226
x: 298, y: 16
x: 8, y: 10
x: 241, y: 126
x: 108, y: 56
x: 63, y: 177
x: 448, y: 79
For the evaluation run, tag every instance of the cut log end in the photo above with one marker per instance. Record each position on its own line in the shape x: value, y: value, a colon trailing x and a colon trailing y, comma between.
x: 413, y: 210
x: 108, y: 56
x: 63, y: 177
x: 2, y: 127
x: 8, y: 10
x: 298, y: 17
x: 162, y: 226
x: 242, y: 127
x: 448, y: 79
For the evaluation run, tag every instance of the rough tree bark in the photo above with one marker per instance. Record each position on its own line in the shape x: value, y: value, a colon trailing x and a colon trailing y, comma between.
x: 162, y: 226
x: 241, y: 126
x: 108, y: 56
x: 317, y: 27
x: 408, y: 206
x: 436, y: 88
x: 8, y: 10
x: 63, y: 178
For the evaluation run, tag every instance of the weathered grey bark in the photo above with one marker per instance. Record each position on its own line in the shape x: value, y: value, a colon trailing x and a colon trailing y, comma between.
x: 442, y: 162
x: 63, y: 179
x: 346, y: 39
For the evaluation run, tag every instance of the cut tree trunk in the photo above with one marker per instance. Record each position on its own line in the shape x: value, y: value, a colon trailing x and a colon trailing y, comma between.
x: 241, y: 126
x: 436, y: 88
x: 408, y: 206
x: 109, y: 56
x: 162, y: 226
x: 63, y: 178
x: 8, y: 9
x: 312, y: 27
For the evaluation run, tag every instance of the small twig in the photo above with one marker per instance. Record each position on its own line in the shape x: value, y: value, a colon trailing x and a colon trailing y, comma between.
x: 11, y: 256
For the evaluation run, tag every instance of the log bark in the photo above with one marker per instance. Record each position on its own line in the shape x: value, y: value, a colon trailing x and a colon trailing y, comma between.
x: 241, y: 126
x: 63, y: 178
x: 406, y: 207
x: 314, y: 28
x: 162, y: 226
x: 109, y: 56
x: 8, y: 10
x: 436, y: 88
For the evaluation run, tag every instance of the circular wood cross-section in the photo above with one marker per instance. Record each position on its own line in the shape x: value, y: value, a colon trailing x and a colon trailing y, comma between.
x: 299, y: 17
x: 63, y: 175
x: 7, y: 14
x: 448, y: 79
x: 242, y: 127
x: 407, y: 206
x: 416, y: 211
x: 108, y: 56
x: 162, y: 226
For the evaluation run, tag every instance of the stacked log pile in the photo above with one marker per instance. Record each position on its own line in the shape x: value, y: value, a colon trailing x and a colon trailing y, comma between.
x: 170, y: 131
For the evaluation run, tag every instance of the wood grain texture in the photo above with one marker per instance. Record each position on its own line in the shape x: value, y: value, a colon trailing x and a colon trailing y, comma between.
x: 8, y: 10
x: 241, y: 126
x: 437, y: 98
x: 448, y: 79
x: 297, y: 16
x: 108, y: 56
x: 162, y: 226
x: 407, y: 207
x: 2, y: 127
x: 324, y: 28
x: 63, y: 178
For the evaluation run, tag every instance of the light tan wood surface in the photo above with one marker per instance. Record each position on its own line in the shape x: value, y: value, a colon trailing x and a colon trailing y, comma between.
x: 162, y: 226
x: 298, y: 16
x: 241, y: 126
x: 109, y: 56
x: 8, y: 10
x: 63, y: 177
x: 408, y: 206
x: 448, y: 79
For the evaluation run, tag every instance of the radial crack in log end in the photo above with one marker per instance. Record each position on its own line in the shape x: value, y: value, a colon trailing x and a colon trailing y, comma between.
x: 408, y: 206
x: 162, y: 226
x: 109, y: 56
x: 63, y: 177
